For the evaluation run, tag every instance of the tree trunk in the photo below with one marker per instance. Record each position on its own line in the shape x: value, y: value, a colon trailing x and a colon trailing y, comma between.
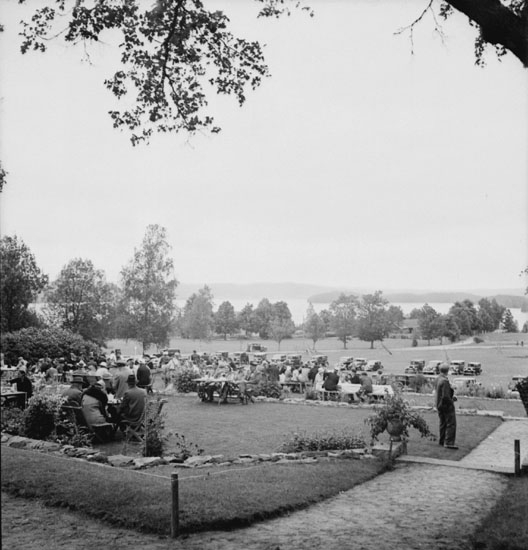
x: 498, y: 24
x: 372, y: 344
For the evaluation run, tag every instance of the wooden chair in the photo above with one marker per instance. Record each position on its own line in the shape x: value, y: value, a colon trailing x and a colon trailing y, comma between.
x: 136, y: 431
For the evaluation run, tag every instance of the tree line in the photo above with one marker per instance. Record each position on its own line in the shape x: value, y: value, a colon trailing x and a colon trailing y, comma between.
x: 142, y: 306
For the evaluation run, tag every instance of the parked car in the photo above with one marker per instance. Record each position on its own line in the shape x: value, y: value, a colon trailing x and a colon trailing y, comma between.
x: 359, y: 363
x: 417, y: 364
x: 432, y: 367
x: 457, y: 367
x: 279, y: 357
x: 469, y: 371
x: 346, y: 361
x: 320, y: 359
x: 513, y: 383
x: 260, y: 356
x: 295, y: 359
x: 477, y: 367
x: 373, y: 365
x: 256, y: 347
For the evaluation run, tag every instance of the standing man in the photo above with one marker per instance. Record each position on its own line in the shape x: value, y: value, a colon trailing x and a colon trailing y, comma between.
x: 445, y: 405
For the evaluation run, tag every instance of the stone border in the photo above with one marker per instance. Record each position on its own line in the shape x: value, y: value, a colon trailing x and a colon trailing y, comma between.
x: 199, y: 461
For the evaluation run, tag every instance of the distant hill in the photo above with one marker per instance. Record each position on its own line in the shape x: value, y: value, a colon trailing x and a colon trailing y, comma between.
x: 510, y: 298
x: 233, y: 291
x: 506, y: 300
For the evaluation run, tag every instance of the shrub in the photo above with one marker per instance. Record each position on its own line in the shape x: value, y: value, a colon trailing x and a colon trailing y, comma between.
x: 182, y: 447
x: 477, y: 340
x: 395, y: 408
x: 311, y: 395
x: 185, y: 380
x: 328, y: 441
x: 34, y: 343
x: 420, y: 384
x: 269, y: 389
x: 12, y: 420
x: 42, y: 415
x: 414, y: 342
x: 155, y: 440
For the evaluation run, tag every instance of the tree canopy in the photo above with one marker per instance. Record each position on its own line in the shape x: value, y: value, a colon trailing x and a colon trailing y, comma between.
x: 20, y: 282
x: 149, y: 288
x: 175, y: 53
x: 82, y: 300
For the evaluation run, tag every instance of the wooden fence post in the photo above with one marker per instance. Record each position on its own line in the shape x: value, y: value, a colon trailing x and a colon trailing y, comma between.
x: 517, y: 453
x: 175, y: 514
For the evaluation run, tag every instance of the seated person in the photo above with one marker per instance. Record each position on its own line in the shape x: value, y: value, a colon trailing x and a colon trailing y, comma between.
x: 355, y: 378
x: 144, y: 377
x: 366, y: 387
x: 74, y: 393
x: 331, y: 381
x: 23, y: 383
x: 94, y: 403
x: 133, y: 404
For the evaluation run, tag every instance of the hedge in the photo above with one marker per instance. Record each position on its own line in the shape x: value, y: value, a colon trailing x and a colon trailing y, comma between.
x: 34, y: 343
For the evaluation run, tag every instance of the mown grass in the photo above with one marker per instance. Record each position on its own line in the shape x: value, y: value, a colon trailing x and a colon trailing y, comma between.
x: 212, y: 499
x: 235, y: 429
x: 238, y: 495
x: 506, y: 526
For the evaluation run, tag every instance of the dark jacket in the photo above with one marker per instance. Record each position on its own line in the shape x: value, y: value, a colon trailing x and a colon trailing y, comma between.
x: 331, y: 381
x: 444, y: 394
x: 143, y: 375
x: 133, y: 404
x: 23, y: 384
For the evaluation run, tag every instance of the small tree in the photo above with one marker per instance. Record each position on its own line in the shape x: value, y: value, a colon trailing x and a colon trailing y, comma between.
x: 509, y: 324
x: 198, y: 318
x: 429, y: 323
x: 281, y: 325
x: 225, y: 319
x: 246, y: 320
x: 314, y: 326
x: 149, y: 288
x: 343, y: 321
x: 372, y: 318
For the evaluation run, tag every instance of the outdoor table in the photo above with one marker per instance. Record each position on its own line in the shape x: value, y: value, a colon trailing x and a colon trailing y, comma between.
x: 207, y: 386
x: 16, y: 398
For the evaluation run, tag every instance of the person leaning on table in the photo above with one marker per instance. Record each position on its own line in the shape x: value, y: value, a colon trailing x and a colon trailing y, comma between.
x: 445, y: 405
x: 23, y: 383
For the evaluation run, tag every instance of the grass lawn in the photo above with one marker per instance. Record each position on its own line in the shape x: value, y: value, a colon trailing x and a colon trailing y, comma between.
x: 209, y: 499
x: 217, y: 497
x: 506, y: 526
x: 235, y: 429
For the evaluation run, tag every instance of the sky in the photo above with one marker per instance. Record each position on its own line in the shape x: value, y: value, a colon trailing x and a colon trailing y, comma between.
x: 357, y: 164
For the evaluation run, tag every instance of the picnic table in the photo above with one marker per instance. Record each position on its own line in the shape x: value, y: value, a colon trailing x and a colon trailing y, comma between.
x: 379, y: 391
x: 13, y: 397
x: 207, y: 387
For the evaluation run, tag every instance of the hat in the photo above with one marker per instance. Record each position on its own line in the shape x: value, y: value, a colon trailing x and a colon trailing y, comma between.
x: 131, y: 379
x: 77, y: 379
x: 107, y: 376
x: 100, y: 384
x: 102, y: 364
x: 120, y: 363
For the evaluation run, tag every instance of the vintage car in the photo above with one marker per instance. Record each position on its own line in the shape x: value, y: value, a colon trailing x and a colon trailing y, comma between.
x: 373, y: 365
x: 475, y: 367
x: 457, y: 367
x: 359, y: 363
x: 319, y: 359
x: 256, y: 347
x: 432, y: 367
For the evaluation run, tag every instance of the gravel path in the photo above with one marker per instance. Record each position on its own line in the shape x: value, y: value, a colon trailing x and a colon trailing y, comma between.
x: 416, y: 506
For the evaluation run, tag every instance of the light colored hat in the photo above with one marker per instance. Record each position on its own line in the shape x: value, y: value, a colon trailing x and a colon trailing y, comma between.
x: 102, y: 364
